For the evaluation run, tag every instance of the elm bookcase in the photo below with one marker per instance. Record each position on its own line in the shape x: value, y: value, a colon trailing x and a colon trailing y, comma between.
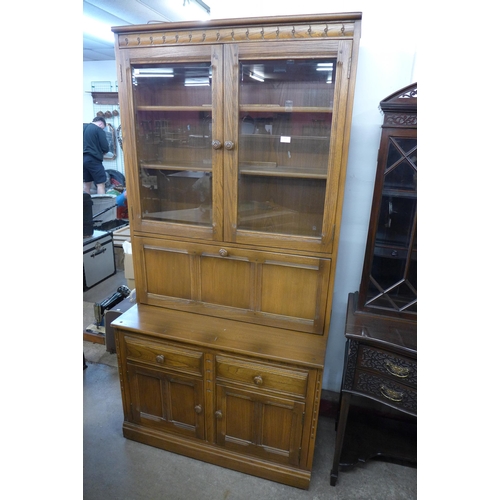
x: 235, y: 138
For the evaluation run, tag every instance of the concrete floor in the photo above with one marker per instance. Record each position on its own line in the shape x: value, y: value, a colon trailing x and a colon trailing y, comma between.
x: 115, y: 468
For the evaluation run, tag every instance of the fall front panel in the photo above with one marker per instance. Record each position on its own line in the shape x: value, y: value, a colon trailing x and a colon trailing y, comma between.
x: 260, y: 287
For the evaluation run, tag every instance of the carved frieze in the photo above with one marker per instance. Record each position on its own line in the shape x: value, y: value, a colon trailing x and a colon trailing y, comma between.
x: 400, y: 119
x: 242, y: 34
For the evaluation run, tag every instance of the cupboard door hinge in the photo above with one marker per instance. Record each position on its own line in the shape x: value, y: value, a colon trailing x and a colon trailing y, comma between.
x: 121, y: 74
x: 349, y: 68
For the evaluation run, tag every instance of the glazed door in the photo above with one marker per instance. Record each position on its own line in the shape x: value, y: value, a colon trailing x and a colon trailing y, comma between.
x: 284, y: 141
x: 391, y: 284
x: 177, y: 108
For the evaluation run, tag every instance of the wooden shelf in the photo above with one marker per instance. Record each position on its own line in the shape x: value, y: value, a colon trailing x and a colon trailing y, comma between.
x: 292, y: 137
x: 246, y: 169
x: 295, y: 172
x: 178, y: 166
x: 203, y: 107
x: 247, y: 107
x: 284, y: 109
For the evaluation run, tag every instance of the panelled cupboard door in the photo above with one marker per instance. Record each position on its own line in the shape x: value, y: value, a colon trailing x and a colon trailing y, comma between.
x: 167, y: 401
x: 242, y: 142
x: 267, y: 288
x: 261, y: 425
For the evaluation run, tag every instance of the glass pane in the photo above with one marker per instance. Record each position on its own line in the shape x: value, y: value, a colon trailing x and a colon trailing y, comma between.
x: 393, y: 278
x: 284, y: 140
x: 174, y: 135
x: 393, y: 281
x: 395, y: 221
x: 401, y: 170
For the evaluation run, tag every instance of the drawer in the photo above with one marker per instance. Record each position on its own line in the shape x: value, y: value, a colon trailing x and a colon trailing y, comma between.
x: 398, y: 368
x: 261, y: 376
x: 164, y: 356
x: 386, y: 390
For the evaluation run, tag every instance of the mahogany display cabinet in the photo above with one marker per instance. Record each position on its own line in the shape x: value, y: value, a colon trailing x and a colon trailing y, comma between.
x: 378, y: 407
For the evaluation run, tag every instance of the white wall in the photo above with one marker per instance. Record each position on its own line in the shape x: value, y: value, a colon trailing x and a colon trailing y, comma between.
x: 95, y: 71
x: 387, y: 62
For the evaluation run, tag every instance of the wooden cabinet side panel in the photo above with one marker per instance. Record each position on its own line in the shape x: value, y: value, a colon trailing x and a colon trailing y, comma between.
x: 121, y: 355
x: 311, y: 417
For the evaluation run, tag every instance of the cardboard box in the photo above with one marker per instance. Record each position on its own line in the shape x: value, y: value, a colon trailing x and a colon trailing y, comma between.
x: 128, y: 265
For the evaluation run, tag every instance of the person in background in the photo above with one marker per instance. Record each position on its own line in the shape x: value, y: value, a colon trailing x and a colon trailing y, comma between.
x: 95, y: 146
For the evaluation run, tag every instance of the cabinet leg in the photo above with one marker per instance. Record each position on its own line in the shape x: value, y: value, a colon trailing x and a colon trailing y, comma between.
x: 333, y: 478
x: 339, y: 440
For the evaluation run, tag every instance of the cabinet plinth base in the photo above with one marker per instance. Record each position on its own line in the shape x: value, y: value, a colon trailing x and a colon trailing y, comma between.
x: 217, y: 456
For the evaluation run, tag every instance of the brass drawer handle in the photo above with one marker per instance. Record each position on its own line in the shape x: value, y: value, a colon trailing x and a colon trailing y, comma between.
x: 397, y: 371
x: 218, y: 414
x: 160, y: 358
x: 229, y: 145
x: 216, y: 144
x: 258, y: 380
x: 198, y: 409
x: 391, y: 394
x: 223, y: 252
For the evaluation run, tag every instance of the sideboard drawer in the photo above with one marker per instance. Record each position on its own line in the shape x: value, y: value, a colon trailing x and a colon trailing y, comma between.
x: 397, y: 367
x: 164, y: 356
x: 386, y: 390
x: 261, y: 376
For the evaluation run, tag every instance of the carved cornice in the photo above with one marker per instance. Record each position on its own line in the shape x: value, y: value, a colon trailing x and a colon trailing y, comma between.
x: 156, y: 37
x: 402, y: 101
x: 409, y: 94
